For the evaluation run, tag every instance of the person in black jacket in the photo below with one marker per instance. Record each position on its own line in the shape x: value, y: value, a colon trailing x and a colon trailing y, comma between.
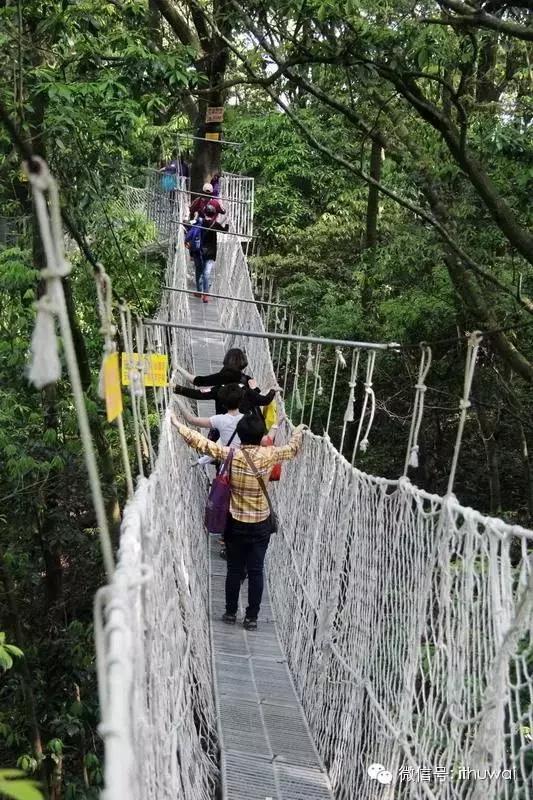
x: 208, y: 256
x: 233, y: 366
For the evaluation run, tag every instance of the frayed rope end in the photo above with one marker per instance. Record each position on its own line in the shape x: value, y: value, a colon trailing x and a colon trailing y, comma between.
x: 45, y: 366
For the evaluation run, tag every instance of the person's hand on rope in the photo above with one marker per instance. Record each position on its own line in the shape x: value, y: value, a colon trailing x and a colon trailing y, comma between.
x: 187, y: 375
x: 252, y: 384
x: 174, y: 419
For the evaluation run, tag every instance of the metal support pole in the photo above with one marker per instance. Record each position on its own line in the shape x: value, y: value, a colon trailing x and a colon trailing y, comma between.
x: 395, y: 346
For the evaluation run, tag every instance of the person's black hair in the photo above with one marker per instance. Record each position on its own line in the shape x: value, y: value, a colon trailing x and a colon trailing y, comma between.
x: 251, y: 429
x: 235, y: 359
x: 230, y: 396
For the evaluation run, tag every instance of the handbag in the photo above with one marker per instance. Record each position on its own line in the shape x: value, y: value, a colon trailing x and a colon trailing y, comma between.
x: 218, y: 502
x: 275, y: 475
x: 273, y: 516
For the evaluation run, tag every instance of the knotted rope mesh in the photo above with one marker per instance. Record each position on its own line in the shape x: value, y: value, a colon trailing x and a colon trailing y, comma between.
x: 405, y: 618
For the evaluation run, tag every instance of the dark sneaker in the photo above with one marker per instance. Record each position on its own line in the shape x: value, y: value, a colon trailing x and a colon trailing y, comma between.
x: 250, y: 624
x: 229, y: 618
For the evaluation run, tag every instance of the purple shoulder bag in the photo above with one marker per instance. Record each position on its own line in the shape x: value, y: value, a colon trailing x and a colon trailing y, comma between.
x: 217, y: 509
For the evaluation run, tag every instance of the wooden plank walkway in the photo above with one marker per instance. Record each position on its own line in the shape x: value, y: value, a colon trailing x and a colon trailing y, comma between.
x: 266, y: 748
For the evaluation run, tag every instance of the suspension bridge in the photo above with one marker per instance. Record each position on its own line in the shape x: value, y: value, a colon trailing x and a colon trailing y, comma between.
x: 394, y: 658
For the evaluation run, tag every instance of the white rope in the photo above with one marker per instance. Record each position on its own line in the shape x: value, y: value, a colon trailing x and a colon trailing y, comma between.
x: 411, y: 459
x: 135, y: 386
x: 369, y: 395
x: 296, y: 401
x: 349, y: 413
x: 474, y: 340
x: 108, y: 330
x: 317, y: 386
x: 403, y: 616
x: 139, y: 328
x: 339, y: 361
x: 43, y: 373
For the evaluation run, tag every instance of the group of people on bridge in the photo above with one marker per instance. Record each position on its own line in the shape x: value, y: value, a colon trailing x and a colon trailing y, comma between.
x: 202, y: 224
x: 238, y: 434
x: 201, y: 234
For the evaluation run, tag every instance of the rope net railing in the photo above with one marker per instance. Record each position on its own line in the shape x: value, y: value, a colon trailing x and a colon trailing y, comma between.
x: 405, y: 618
x: 167, y: 209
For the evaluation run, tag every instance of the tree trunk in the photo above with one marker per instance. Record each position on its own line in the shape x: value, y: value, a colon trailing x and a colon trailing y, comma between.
x: 207, y: 156
x: 486, y: 89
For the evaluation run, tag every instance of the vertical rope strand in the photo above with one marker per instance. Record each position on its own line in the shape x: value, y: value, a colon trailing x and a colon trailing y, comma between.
x: 474, y: 340
x: 411, y: 457
x: 51, y: 232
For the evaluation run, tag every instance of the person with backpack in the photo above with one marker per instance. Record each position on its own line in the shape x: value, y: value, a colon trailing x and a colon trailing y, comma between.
x: 201, y: 240
x: 251, y: 521
x: 233, y: 366
x: 199, y: 204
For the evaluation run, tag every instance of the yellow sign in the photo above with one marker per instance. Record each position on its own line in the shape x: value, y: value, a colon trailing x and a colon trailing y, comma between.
x: 212, y: 136
x: 215, y: 114
x: 112, y: 391
x: 153, y: 368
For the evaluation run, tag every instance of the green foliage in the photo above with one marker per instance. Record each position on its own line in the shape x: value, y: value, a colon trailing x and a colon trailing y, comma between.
x: 7, y: 653
x: 14, y: 785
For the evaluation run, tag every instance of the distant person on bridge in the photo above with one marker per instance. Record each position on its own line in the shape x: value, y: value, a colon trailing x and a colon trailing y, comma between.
x: 198, y: 205
x: 172, y: 170
x: 249, y: 526
x: 215, y: 183
x: 234, y: 364
x: 204, y: 255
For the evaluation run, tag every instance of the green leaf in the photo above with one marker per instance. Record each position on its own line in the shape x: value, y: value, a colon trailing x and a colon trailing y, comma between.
x: 6, y: 662
x: 15, y: 786
x: 15, y: 651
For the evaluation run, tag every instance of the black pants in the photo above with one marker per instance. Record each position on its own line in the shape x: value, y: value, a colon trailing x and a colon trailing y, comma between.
x: 246, y: 546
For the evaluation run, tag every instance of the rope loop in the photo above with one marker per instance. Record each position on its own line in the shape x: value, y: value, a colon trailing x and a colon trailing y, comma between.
x: 363, y: 443
x: 474, y: 340
x: 413, y: 449
x: 309, y: 363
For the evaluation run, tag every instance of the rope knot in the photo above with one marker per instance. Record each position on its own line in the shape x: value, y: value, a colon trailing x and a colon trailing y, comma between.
x: 340, y: 357
x: 59, y: 270
x: 364, y: 445
x: 464, y: 404
x: 136, y: 383
x: 46, y: 305
x: 421, y: 387
x: 38, y: 173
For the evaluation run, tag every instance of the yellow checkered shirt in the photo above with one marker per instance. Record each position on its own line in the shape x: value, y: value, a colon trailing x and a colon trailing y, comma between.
x: 248, y: 503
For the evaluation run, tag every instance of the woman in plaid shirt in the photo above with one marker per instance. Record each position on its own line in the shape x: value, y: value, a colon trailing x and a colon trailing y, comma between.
x: 249, y: 529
